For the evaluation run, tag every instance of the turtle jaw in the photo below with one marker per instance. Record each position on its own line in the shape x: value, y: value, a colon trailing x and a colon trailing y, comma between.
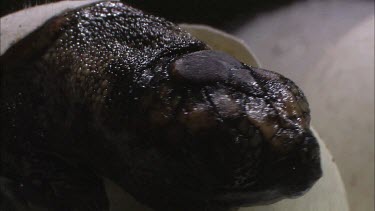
x: 280, y: 176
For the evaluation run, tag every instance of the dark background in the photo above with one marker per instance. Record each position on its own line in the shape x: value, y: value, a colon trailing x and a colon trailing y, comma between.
x: 226, y: 15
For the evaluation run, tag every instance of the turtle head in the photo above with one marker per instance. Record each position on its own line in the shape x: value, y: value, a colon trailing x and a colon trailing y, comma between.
x: 248, y: 128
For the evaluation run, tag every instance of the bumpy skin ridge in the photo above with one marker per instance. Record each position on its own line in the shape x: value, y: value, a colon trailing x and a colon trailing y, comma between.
x: 108, y: 91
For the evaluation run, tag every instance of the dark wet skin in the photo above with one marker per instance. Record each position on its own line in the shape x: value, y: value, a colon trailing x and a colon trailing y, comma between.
x: 108, y: 91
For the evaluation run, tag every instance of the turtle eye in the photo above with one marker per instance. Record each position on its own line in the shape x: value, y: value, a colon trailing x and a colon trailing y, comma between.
x: 204, y: 67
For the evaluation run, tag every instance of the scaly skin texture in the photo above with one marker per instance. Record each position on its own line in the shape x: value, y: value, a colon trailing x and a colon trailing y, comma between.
x: 108, y: 91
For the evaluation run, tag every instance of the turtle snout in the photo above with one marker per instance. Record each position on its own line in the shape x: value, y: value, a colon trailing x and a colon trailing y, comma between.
x: 295, y: 171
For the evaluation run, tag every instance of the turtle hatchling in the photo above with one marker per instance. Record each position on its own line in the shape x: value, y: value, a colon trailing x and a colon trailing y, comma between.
x: 108, y: 91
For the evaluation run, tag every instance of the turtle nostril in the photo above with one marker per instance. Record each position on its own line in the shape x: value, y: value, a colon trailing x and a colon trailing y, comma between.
x: 308, y: 155
x: 310, y: 150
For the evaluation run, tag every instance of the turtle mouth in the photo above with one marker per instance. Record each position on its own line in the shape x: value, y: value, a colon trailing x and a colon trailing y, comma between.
x: 248, y: 197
